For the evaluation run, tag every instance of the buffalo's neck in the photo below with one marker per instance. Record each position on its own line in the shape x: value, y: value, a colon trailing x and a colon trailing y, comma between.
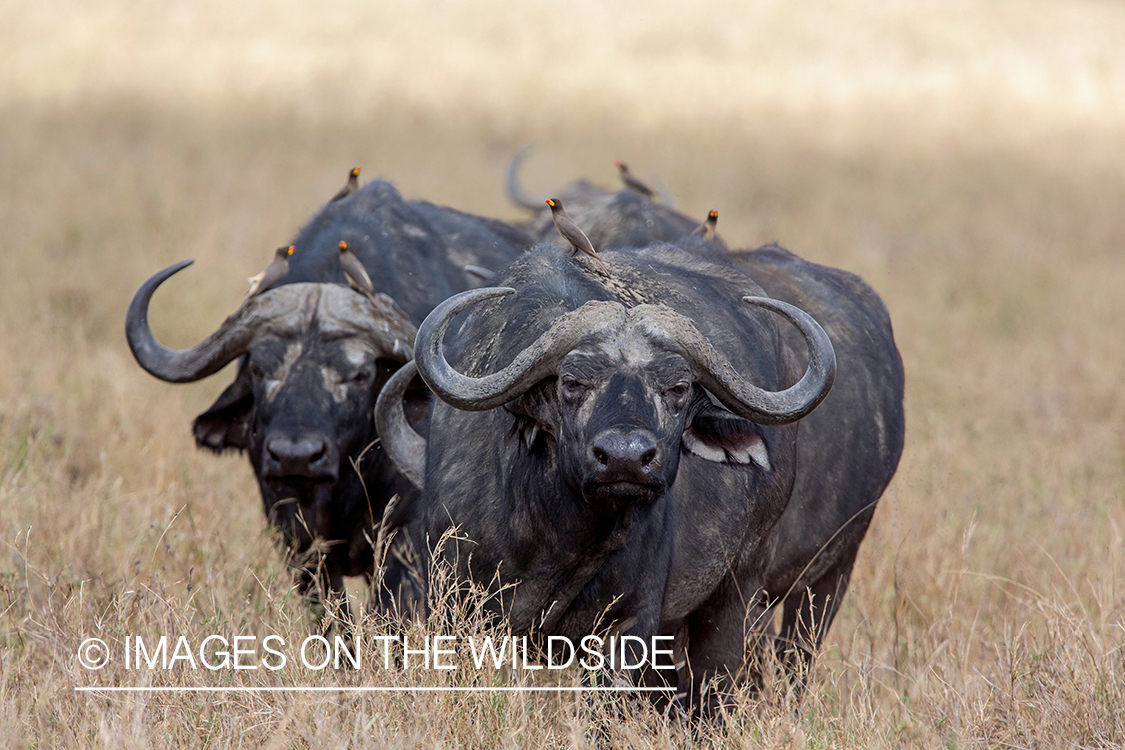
x: 517, y: 520
x: 563, y: 541
x: 555, y: 518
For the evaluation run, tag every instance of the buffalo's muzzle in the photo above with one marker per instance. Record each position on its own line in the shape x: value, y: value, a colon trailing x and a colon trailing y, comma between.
x: 311, y: 456
x: 620, y: 456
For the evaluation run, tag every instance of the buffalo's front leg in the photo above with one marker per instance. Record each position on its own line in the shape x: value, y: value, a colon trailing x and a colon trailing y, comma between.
x: 716, y: 649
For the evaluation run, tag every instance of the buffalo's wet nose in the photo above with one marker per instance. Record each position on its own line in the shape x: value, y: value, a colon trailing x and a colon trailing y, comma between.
x: 300, y: 456
x: 624, y: 456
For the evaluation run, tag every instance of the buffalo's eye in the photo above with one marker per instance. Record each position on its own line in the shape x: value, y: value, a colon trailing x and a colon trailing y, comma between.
x: 677, y: 391
x: 573, y: 388
x: 256, y: 371
x: 361, y: 378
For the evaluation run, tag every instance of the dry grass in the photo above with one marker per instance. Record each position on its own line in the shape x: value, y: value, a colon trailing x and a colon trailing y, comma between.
x: 967, y: 159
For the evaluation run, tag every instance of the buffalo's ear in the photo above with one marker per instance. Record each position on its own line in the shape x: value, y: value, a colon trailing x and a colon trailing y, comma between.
x: 536, y: 410
x: 227, y: 423
x: 715, y: 434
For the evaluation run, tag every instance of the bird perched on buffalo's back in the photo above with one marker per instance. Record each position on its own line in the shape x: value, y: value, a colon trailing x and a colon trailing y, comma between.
x: 633, y: 182
x: 572, y: 233
x: 354, y: 270
x: 707, y: 228
x: 349, y: 187
x: 274, y: 273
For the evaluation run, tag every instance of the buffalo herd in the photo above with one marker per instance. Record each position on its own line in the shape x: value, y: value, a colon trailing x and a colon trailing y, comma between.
x: 683, y: 444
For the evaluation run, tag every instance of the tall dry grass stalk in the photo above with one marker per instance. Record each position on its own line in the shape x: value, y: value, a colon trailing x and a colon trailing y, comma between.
x: 968, y: 160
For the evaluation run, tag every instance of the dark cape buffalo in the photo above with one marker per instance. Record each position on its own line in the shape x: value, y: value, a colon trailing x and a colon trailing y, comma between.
x: 634, y: 447
x: 849, y: 448
x: 313, y: 355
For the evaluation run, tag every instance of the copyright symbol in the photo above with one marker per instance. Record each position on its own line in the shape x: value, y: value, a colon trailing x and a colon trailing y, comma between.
x: 93, y: 653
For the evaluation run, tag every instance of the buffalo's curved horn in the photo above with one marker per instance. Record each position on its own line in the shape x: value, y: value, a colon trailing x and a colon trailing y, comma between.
x: 531, y: 365
x: 481, y: 273
x: 187, y: 365
x: 406, y: 448
x: 516, y: 192
x: 739, y: 395
x: 283, y: 310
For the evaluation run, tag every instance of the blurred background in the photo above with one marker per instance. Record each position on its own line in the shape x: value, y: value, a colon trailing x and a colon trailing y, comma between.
x: 966, y: 158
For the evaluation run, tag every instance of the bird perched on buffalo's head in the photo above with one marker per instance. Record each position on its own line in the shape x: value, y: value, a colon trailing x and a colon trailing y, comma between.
x: 633, y: 182
x: 572, y: 233
x: 354, y: 270
x: 707, y: 228
x: 349, y: 187
x: 274, y: 273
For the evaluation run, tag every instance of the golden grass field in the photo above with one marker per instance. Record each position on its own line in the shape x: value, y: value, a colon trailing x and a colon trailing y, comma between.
x: 966, y: 158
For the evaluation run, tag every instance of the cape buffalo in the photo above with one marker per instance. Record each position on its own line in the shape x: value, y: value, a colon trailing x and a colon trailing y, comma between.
x: 313, y: 356
x: 855, y: 451
x: 635, y: 446
x: 849, y: 448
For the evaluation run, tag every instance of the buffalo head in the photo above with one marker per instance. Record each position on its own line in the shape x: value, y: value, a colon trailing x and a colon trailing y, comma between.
x: 312, y: 358
x: 621, y: 390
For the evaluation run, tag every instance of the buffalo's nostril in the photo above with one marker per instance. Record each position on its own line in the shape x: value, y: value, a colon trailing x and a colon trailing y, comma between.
x: 624, y: 456
x: 304, y: 456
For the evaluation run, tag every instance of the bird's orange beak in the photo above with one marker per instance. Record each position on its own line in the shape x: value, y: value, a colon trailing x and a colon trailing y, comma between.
x: 355, y: 172
x: 292, y: 249
x: 713, y: 214
x: 550, y: 203
x: 343, y: 245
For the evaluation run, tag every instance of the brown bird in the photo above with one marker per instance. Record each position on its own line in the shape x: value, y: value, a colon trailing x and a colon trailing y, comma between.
x: 572, y: 233
x: 354, y: 270
x: 633, y: 182
x: 274, y: 273
x: 707, y: 228
x: 350, y: 187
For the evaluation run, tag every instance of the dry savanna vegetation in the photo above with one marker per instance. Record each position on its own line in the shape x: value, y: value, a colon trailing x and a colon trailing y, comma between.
x: 966, y: 158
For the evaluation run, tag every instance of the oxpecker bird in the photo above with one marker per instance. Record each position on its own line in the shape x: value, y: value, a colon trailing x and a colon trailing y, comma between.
x: 350, y: 187
x: 572, y: 233
x: 707, y: 228
x: 274, y: 273
x: 354, y: 270
x: 633, y: 182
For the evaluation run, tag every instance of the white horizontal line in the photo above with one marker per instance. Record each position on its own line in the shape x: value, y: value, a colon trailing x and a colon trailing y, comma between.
x: 421, y: 689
